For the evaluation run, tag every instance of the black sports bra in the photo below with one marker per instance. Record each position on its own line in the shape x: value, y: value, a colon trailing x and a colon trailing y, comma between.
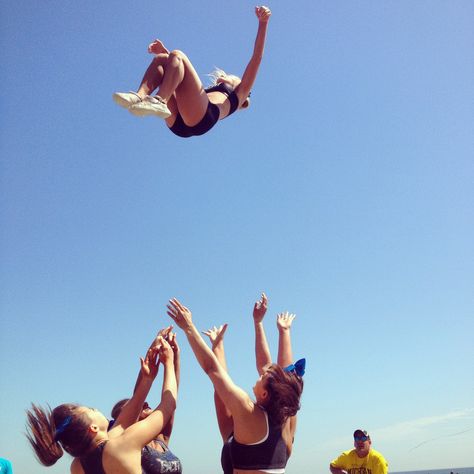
x: 152, y: 461
x: 227, y: 90
x: 270, y: 453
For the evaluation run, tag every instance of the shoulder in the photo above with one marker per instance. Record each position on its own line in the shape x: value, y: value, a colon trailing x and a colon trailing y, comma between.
x: 377, y: 454
x: 348, y: 452
x: 378, y: 459
x: 117, y: 443
x: 241, y: 93
x: 343, y: 457
x: 76, y: 467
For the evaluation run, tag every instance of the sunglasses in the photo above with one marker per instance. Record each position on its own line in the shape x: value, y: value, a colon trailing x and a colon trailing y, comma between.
x: 361, y: 438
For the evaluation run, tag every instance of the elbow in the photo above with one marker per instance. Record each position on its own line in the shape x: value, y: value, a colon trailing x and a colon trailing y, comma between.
x: 212, y: 371
x: 209, y: 365
x: 209, y: 369
x: 168, y: 400
x: 171, y: 405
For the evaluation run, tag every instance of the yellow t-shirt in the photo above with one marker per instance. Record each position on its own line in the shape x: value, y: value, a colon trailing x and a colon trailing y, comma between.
x: 373, y: 463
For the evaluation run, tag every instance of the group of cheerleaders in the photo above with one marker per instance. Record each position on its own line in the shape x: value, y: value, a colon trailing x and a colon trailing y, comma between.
x: 257, y: 433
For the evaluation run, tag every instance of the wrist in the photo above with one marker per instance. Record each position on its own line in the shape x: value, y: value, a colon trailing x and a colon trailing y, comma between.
x: 189, y: 330
x: 218, y: 347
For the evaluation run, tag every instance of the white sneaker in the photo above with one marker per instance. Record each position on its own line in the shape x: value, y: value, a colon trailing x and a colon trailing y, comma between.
x: 150, y: 106
x: 126, y: 99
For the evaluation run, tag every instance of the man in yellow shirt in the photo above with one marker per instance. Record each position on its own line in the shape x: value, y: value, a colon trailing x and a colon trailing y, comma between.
x: 360, y: 460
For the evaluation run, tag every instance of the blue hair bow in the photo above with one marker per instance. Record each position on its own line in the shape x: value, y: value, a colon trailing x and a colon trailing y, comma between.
x: 298, y: 367
x: 60, y: 429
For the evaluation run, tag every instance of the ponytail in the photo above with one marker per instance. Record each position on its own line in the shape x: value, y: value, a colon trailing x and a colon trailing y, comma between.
x: 284, y: 389
x: 40, y: 435
x: 51, y: 432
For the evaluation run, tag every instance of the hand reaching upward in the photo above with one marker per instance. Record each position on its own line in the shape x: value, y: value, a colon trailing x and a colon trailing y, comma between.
x: 284, y: 321
x: 260, y: 308
x: 263, y: 13
x: 150, y: 364
x: 173, y: 342
x: 165, y: 352
x: 164, y: 333
x: 216, y: 334
x: 179, y: 314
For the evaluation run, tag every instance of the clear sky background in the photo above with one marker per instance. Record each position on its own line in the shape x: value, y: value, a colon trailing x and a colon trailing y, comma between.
x: 345, y: 192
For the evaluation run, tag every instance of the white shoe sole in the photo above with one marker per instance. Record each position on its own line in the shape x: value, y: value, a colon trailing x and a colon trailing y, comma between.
x: 120, y: 99
x: 140, y: 111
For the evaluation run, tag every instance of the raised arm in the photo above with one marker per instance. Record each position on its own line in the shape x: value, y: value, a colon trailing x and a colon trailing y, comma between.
x: 223, y: 415
x: 173, y: 342
x: 234, y: 398
x: 285, y: 354
x: 148, y: 371
x: 216, y: 336
x: 144, y: 431
x: 262, y: 352
x: 250, y: 73
x: 168, y: 428
x: 162, y: 333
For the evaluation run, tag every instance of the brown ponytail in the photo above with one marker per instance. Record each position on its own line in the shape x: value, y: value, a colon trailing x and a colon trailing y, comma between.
x: 40, y: 435
x: 284, y: 390
x: 49, y: 432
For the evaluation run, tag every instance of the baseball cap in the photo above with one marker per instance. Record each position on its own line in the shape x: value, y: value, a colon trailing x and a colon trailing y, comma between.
x: 360, y: 432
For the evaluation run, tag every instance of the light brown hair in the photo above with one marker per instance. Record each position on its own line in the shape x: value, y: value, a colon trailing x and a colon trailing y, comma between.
x: 284, y: 393
x: 49, y: 432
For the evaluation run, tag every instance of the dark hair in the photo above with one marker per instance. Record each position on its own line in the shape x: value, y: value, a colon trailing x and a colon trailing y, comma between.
x: 284, y: 393
x: 49, y: 432
x: 118, y: 408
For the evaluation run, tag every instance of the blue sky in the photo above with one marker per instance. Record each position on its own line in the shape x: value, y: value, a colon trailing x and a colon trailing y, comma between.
x: 345, y: 192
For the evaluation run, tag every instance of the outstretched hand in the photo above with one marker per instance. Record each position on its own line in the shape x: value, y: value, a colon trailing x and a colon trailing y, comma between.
x: 260, y: 308
x: 263, y: 14
x: 173, y: 342
x: 164, y: 333
x: 216, y: 334
x: 284, y: 321
x: 179, y: 314
x: 150, y: 364
x: 165, y: 352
